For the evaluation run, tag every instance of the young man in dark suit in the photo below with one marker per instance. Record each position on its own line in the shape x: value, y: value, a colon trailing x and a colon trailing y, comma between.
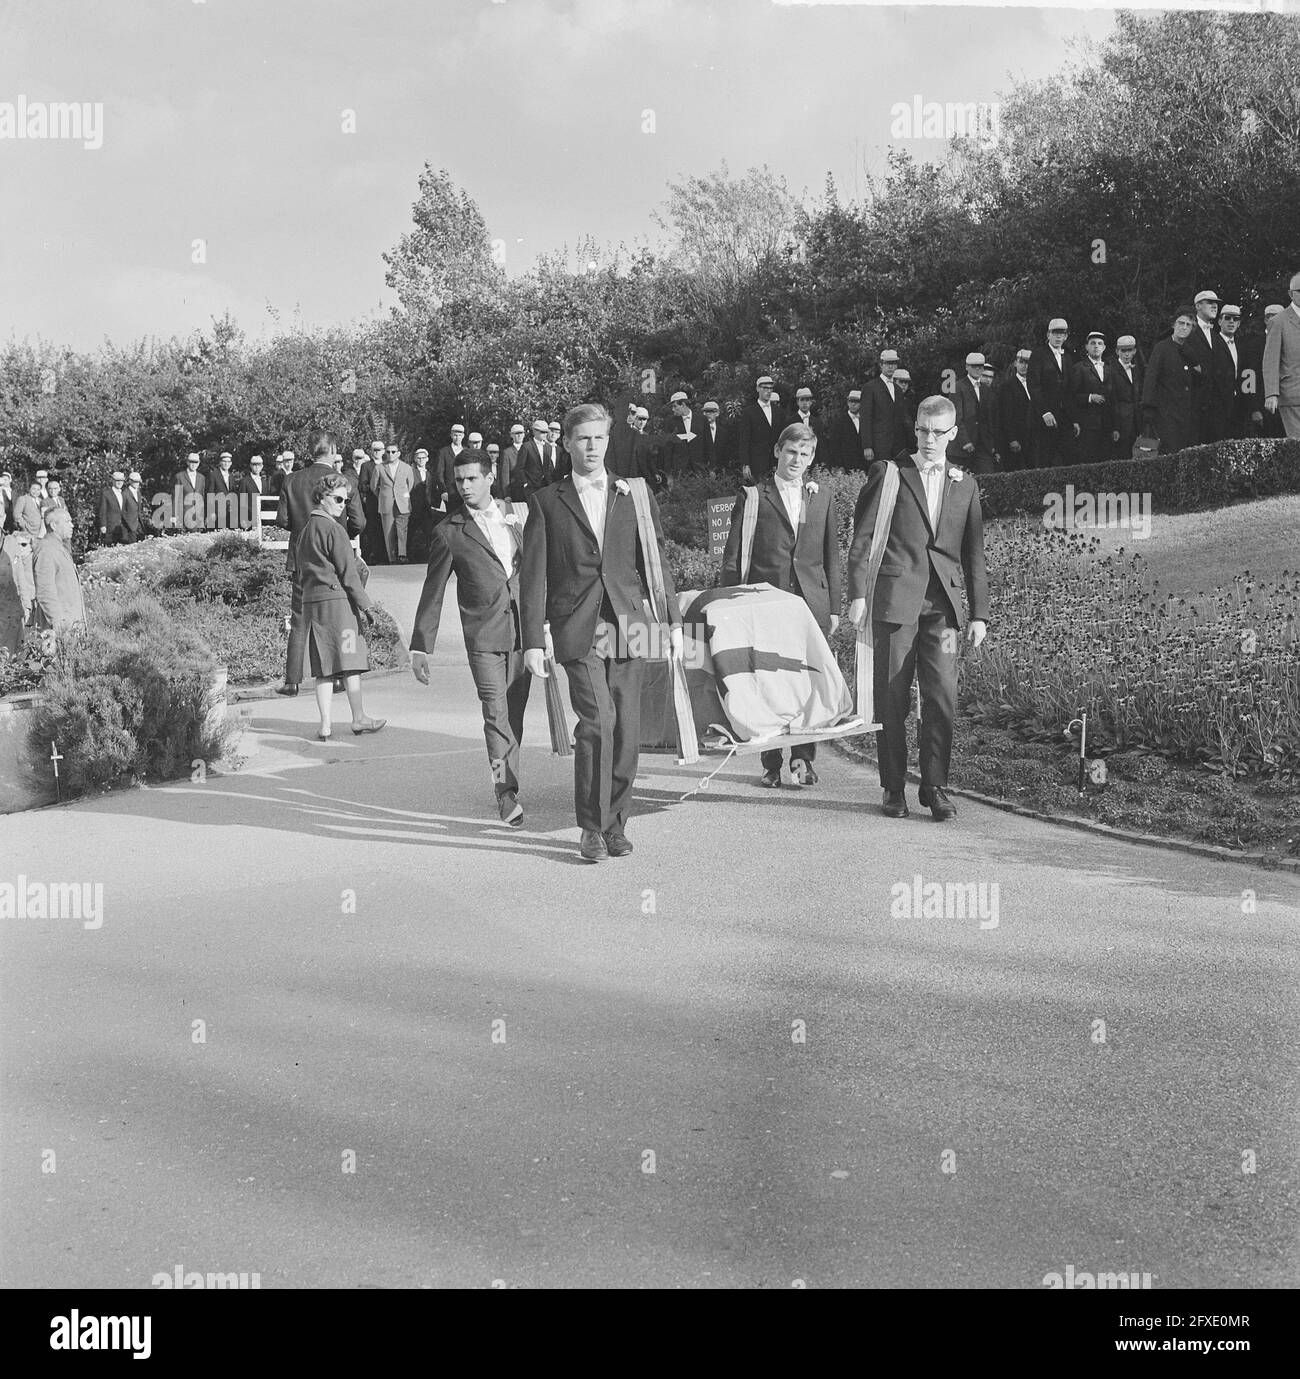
x: 1049, y: 381
x: 481, y: 544
x: 759, y: 424
x: 189, y: 491
x: 880, y: 412
x: 935, y: 535
x: 1092, y: 401
x: 1126, y: 388
x: 795, y: 549
x: 975, y: 442
x: 536, y: 467
x: 1016, y: 413
x: 134, y: 516
x: 585, y: 572
x: 716, y: 437
x: 1214, y: 375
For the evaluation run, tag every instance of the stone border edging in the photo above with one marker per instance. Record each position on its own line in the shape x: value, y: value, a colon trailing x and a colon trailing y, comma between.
x: 1211, y: 851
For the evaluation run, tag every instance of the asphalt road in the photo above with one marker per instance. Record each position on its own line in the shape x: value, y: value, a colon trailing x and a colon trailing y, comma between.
x: 503, y: 1041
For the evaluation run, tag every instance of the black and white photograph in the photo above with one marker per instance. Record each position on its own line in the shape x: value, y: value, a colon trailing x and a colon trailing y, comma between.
x: 650, y: 645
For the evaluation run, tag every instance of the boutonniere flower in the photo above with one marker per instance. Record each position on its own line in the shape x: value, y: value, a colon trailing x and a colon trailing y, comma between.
x: 955, y: 474
x: 810, y: 486
x: 509, y: 519
x: 621, y: 486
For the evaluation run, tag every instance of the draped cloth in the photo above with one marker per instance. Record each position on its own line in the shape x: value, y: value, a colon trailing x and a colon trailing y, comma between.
x: 865, y: 650
x: 774, y: 671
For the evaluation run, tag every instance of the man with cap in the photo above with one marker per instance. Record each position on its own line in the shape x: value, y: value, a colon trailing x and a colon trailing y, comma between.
x: 1126, y: 378
x: 1092, y: 403
x: 1282, y: 363
x: 509, y: 480
x: 253, y: 485
x: 422, y: 519
x: 803, y: 403
x: 717, y: 437
x: 54, y: 502
x: 626, y: 454
x: 1016, y: 415
x: 391, y: 483
x: 189, y: 490
x: 1214, y: 379
x: 493, y: 451
x: 1049, y: 382
x: 109, y: 517
x: 1167, y: 389
x: 844, y: 448
x: 1247, y: 402
x: 537, y: 460
x: 43, y: 478
x: 759, y: 424
x: 974, y: 445
x: 372, y: 537
x: 553, y: 428
x: 880, y: 429
x: 904, y: 412
x: 6, y: 502
x: 687, y: 456
x: 1272, y: 423
x: 443, y: 493
x: 135, y: 518
x: 222, y: 486
x: 283, y: 468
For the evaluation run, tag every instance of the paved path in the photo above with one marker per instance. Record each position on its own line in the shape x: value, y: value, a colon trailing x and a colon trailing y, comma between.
x: 351, y: 935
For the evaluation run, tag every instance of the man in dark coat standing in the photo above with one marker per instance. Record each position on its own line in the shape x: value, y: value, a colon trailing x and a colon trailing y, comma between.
x: 1167, y: 408
x: 1214, y: 376
x: 1016, y: 415
x: 586, y: 574
x: 880, y: 412
x: 975, y: 443
x: 759, y: 424
x: 1126, y: 376
x: 1049, y: 382
x: 795, y: 549
x: 1092, y: 402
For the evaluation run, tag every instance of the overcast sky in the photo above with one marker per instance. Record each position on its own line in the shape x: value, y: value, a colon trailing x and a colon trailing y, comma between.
x: 223, y: 121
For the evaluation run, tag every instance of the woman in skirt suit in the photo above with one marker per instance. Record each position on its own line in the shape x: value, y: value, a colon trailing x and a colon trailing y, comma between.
x: 334, y: 606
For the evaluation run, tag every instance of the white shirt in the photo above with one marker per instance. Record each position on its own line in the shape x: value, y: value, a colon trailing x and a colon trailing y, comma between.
x: 1207, y: 330
x: 1232, y: 350
x: 932, y: 478
x: 1058, y: 355
x: 767, y: 409
x: 855, y: 417
x: 1024, y: 381
x: 792, y: 496
x: 1100, y: 366
x: 889, y: 383
x: 593, y: 493
x: 257, y: 480
x: 491, y: 522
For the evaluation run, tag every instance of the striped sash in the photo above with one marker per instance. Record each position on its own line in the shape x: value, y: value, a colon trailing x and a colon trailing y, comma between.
x: 687, y: 743
x: 556, y: 720
x: 748, y: 523
x: 865, y: 657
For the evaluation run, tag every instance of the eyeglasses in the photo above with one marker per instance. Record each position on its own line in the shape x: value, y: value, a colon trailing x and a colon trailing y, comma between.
x: 933, y: 432
x: 336, y: 497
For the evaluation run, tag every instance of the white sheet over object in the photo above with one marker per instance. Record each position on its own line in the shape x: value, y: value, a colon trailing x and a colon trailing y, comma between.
x: 774, y: 671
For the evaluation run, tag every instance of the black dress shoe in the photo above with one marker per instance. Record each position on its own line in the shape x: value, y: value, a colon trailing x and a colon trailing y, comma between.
x: 288, y: 691
x: 941, y: 807
x: 617, y: 843
x: 895, y: 805
x: 511, y: 811
x: 803, y: 772
x: 771, y: 780
x: 592, y: 847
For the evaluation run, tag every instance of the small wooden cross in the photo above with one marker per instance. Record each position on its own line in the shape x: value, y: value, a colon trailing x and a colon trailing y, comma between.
x: 55, y: 758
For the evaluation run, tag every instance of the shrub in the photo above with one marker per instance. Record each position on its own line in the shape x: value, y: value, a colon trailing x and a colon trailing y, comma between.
x: 691, y: 568
x: 24, y: 671
x: 129, y: 692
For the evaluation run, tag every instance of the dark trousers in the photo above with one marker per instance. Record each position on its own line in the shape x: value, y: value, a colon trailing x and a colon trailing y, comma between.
x: 919, y: 650
x: 1094, y: 446
x: 803, y: 751
x: 606, y: 696
x: 502, y: 684
x: 1053, y: 445
x: 372, y: 538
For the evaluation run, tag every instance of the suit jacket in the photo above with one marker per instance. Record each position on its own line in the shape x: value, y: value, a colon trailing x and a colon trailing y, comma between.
x: 537, y: 469
x: 1216, y: 383
x: 806, y: 563
x: 879, y: 414
x: 756, y: 438
x: 628, y: 453
x: 688, y: 455
x: 1084, y: 383
x: 392, y: 491
x: 295, y: 504
x: 218, y: 483
x: 913, y: 552
x: 442, y: 479
x: 1016, y: 412
x: 509, y: 475
x: 716, y: 444
x: 1127, y: 396
x: 487, y: 593
x: 182, y: 482
x: 844, y: 444
x: 1248, y: 386
x: 1167, y: 396
x: 109, y: 513
x: 1282, y: 358
x: 325, y: 568
x: 27, y: 515
x: 133, y: 512
x: 975, y: 421
x: 1050, y: 385
x: 570, y: 581
x: 251, y: 490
